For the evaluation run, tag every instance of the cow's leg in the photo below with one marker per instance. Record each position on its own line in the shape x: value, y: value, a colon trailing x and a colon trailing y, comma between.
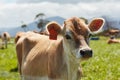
x: 79, y: 73
x: 19, y: 56
x: 6, y: 43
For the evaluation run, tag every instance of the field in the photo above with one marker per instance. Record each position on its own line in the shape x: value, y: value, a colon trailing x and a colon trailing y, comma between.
x: 104, y: 65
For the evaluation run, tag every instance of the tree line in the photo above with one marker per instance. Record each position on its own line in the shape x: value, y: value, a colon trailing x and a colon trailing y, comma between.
x: 41, y: 22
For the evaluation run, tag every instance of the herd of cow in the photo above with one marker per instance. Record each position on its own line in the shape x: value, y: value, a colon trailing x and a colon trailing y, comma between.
x: 55, y: 54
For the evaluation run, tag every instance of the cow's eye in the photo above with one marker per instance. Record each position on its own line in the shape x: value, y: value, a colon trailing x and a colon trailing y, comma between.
x: 68, y: 36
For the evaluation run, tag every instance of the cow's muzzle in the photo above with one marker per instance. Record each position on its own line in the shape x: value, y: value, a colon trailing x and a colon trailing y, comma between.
x: 86, y: 53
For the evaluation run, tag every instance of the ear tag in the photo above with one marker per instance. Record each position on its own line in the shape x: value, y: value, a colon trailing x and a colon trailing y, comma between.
x: 53, y: 34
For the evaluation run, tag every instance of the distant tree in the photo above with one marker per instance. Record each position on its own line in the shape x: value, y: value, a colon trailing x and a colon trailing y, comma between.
x: 24, y: 26
x: 41, y: 21
x: 108, y: 26
x: 40, y: 15
x: 41, y: 24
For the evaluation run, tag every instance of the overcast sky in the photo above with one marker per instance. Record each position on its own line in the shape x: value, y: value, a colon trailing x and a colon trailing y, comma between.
x: 13, y: 12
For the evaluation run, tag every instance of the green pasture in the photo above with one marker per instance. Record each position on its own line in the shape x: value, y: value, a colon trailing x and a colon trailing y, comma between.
x: 8, y: 63
x: 104, y: 65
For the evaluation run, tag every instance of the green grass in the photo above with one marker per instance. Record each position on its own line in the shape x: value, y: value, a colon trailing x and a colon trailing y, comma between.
x: 8, y: 62
x: 104, y: 65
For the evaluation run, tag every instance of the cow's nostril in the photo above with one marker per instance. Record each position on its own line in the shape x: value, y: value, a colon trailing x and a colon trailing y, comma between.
x: 86, y: 53
x: 90, y: 53
x: 82, y: 52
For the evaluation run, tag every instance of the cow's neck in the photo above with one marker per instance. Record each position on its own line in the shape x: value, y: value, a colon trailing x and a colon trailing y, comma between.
x: 67, y: 58
x: 72, y: 62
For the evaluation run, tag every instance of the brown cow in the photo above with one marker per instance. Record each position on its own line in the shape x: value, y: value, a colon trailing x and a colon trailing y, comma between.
x: 111, y: 41
x: 56, y: 57
x: 5, y: 38
x: 20, y: 36
x: 113, y: 32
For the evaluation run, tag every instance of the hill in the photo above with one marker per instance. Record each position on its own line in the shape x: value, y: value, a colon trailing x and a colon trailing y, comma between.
x: 109, y: 23
x: 31, y: 26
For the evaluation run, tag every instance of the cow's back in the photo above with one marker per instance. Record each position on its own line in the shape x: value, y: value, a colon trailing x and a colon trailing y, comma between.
x: 45, y: 59
x: 32, y: 60
x: 20, y: 39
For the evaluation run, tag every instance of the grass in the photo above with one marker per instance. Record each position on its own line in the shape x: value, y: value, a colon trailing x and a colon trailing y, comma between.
x: 104, y: 65
x: 8, y: 63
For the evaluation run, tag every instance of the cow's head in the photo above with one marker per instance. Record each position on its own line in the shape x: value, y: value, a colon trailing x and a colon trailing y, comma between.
x: 75, y: 35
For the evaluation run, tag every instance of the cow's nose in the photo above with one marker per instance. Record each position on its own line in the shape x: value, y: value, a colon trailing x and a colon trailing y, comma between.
x: 86, y: 53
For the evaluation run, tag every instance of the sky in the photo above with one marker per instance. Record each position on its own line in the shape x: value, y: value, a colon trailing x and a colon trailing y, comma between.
x: 15, y: 12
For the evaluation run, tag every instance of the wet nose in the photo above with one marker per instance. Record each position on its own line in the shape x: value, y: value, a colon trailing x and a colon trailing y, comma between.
x: 85, y: 53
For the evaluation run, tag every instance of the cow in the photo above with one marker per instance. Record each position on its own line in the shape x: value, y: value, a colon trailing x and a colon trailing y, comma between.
x: 113, y: 31
x: 5, y: 38
x: 113, y: 40
x: 56, y: 56
x: 20, y: 36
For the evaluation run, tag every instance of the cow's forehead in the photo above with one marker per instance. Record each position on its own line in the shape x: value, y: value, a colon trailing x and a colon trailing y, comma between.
x: 76, y: 25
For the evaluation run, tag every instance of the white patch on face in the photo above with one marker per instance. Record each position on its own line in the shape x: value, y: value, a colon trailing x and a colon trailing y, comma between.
x: 69, y: 47
x: 76, y: 53
x: 66, y: 43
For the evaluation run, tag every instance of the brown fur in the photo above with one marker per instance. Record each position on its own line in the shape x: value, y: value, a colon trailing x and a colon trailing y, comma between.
x: 113, y: 32
x: 5, y: 39
x: 39, y: 56
x: 111, y: 41
x: 19, y: 38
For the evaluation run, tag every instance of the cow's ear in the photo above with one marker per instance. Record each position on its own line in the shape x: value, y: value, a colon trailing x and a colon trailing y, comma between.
x: 54, y: 29
x: 96, y: 24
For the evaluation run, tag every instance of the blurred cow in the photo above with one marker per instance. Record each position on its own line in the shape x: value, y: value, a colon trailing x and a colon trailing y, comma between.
x: 113, y: 40
x: 56, y: 57
x: 113, y: 32
x: 5, y: 39
x: 19, y: 38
